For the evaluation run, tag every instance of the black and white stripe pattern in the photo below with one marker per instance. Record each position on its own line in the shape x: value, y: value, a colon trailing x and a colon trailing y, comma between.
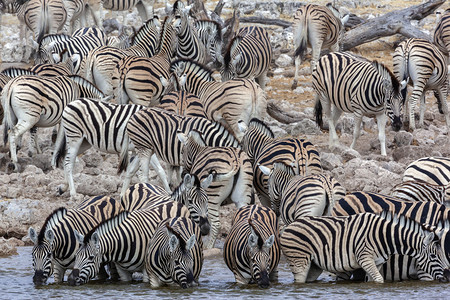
x: 421, y: 62
x: 144, y: 7
x: 345, y: 84
x: 419, y: 191
x: 342, y: 245
x: 183, y: 103
x: 441, y: 36
x: 55, y: 245
x: 252, y: 248
x: 210, y: 33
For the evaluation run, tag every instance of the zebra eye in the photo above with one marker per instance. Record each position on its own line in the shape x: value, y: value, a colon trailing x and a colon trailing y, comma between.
x: 433, y: 256
x: 49, y: 255
x: 91, y: 257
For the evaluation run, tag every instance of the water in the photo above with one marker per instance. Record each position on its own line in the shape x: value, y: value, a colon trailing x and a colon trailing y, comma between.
x: 216, y: 282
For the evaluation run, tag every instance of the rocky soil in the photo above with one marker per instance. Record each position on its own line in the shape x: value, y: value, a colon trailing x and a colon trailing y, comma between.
x: 28, y: 196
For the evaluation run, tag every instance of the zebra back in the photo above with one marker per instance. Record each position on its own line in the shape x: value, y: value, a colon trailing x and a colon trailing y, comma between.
x: 143, y: 195
x: 60, y: 69
x: 441, y: 36
x: 256, y: 135
x: 86, y: 88
x: 146, y: 39
x: 419, y: 191
x: 13, y: 72
x: 183, y: 103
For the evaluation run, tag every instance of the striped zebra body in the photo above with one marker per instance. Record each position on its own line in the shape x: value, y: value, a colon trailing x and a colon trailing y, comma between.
x: 344, y: 244
x: 248, y: 56
x: 79, y: 10
x: 426, y: 66
x: 419, y: 191
x: 210, y: 33
x: 441, y: 36
x: 345, y: 84
x: 175, y: 253
x: 144, y: 7
x: 225, y: 102
x: 424, y: 212
x: 252, y: 247
x: 35, y: 101
x: 154, y: 131
x: 183, y: 103
x: 44, y: 54
x: 264, y: 150
x: 55, y: 245
x: 144, y: 80
x: 100, y: 64
x: 433, y: 170
x: 60, y: 69
x: 91, y: 123
x: 317, y: 26
x: 122, y: 240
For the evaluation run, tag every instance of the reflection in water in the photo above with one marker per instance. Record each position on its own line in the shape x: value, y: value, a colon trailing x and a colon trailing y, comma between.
x: 216, y: 282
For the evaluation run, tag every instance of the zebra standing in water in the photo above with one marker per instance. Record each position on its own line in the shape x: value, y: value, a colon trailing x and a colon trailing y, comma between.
x: 317, y: 26
x: 294, y: 196
x: 344, y: 244
x: 175, y: 253
x: 345, y: 84
x: 441, y: 36
x: 252, y: 247
x: 433, y: 170
x: 263, y: 150
x: 248, y: 56
x: 55, y: 245
x: 34, y: 101
x: 426, y: 66
x: 122, y: 240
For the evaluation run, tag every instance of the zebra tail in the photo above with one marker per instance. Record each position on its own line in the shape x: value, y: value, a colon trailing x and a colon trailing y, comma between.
x: 7, y: 112
x: 61, y: 151
x: 303, y: 39
x: 123, y: 158
x: 43, y: 24
x: 318, y: 113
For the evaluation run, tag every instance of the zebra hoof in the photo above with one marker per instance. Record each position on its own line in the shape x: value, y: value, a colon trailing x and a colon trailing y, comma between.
x: 294, y: 85
x: 60, y: 191
x: 12, y: 167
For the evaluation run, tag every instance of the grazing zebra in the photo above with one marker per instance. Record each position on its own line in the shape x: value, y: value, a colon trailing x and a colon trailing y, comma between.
x: 100, y: 64
x: 345, y: 244
x: 43, y: 52
x: 175, y: 254
x: 294, y: 196
x: 248, y: 56
x: 35, y: 101
x: 252, y: 247
x: 424, y: 212
x: 91, y: 123
x: 426, y: 66
x: 224, y: 102
x: 55, y: 245
x: 419, y: 191
x: 154, y: 131
x: 210, y: 33
x: 441, y: 36
x: 232, y: 175
x: 345, y: 84
x: 317, y: 26
x: 263, y: 150
x: 183, y: 104
x: 433, y: 170
x: 122, y: 240
x: 144, y: 80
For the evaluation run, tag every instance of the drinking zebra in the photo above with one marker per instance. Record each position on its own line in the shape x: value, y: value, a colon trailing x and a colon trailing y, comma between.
x: 55, y: 245
x: 344, y: 244
x: 175, y: 253
x: 252, y: 248
x: 426, y: 66
x: 345, y: 84
x: 317, y: 26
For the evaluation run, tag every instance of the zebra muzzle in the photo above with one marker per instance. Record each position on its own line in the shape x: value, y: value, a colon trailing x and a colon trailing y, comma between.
x: 263, y: 281
x: 204, y: 226
x: 74, y: 277
x: 446, y: 277
x: 39, y: 277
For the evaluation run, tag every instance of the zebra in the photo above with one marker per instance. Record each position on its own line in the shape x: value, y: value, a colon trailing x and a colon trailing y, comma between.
x: 263, y: 150
x: 419, y: 191
x: 252, y: 247
x: 101, y: 62
x: 426, y: 67
x: 210, y: 32
x: 345, y: 244
x: 345, y: 84
x: 225, y: 102
x: 144, y: 80
x: 248, y: 56
x: 433, y: 170
x: 35, y: 101
x: 441, y: 36
x: 232, y: 175
x: 294, y: 196
x: 183, y: 103
x: 91, y: 123
x: 175, y: 254
x: 78, y: 10
x: 55, y: 244
x: 424, y: 212
x: 154, y: 131
x: 144, y: 7
x: 122, y: 240
x: 320, y: 27
x: 43, y: 52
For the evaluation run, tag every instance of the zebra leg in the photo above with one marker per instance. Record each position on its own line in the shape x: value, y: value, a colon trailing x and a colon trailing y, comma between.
x: 300, y: 267
x: 298, y: 62
x: 154, y: 280
x: 417, y: 92
x: 73, y: 148
x: 33, y: 145
x: 422, y: 110
x: 160, y: 171
x: 367, y: 262
x: 261, y: 80
x: 18, y: 130
x: 381, y: 124
x: 316, y: 47
x: 213, y: 215
x: 442, y: 92
x: 124, y: 275
x: 131, y: 171
x: 239, y: 278
x: 356, y: 130
x: 333, y: 114
x: 58, y: 273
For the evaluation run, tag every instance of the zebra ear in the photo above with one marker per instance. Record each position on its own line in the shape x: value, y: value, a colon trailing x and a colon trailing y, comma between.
x: 173, y: 242
x: 190, y: 243
x: 242, y: 126
x: 33, y: 235
x: 236, y: 60
x: 188, y: 181
x: 269, y: 242
x: 49, y: 236
x: 95, y: 239
x: 252, y: 239
x: 264, y: 169
x: 164, y: 81
x: 345, y: 19
x: 182, y: 137
x: 428, y: 239
x: 207, y: 182
x: 79, y: 237
x: 404, y: 83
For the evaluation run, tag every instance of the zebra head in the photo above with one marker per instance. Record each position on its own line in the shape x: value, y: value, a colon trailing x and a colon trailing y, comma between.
x: 231, y: 60
x: 192, y: 194
x: 259, y: 254
x: 210, y: 33
x: 87, y: 259
x: 192, y: 143
x: 256, y: 134
x: 42, y: 255
x: 432, y: 260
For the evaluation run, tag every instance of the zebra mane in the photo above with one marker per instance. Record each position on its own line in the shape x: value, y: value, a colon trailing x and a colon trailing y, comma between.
x: 83, y: 82
x: 216, y: 25
x: 54, y: 217
x: 193, y: 67
x: 175, y: 233
x: 58, y: 37
x: 386, y: 73
x: 231, y: 47
x: 106, y: 225
x: 283, y: 167
x: 14, y: 72
x: 166, y: 22
x: 260, y: 239
x: 181, y: 187
x: 144, y: 29
x: 404, y: 221
x: 261, y: 126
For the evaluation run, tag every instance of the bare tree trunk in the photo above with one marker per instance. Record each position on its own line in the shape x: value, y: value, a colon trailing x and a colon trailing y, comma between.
x: 278, y: 114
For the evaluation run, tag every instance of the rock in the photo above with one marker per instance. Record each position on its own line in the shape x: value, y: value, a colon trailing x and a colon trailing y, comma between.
x: 424, y: 136
x: 410, y: 153
x: 330, y: 161
x: 7, y: 247
x: 283, y: 61
x: 211, y: 252
x: 403, y: 138
x: 304, y: 127
x: 349, y: 154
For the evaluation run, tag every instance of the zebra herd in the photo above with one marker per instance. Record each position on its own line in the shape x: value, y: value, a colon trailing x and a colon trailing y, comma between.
x: 212, y: 139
